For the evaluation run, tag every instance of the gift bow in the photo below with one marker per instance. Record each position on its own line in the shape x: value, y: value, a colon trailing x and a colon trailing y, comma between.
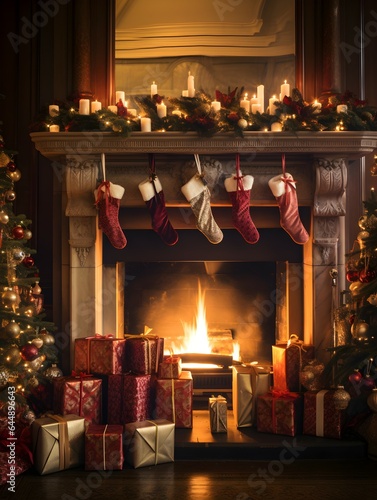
x: 101, y: 337
x: 275, y: 393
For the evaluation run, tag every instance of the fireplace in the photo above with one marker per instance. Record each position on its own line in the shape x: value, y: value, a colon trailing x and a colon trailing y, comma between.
x: 94, y: 278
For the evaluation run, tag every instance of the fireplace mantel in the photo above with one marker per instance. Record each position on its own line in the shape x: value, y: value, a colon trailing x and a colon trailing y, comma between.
x: 56, y: 146
x: 321, y: 161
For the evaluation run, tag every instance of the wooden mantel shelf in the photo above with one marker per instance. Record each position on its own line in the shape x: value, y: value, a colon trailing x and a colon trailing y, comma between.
x: 348, y: 145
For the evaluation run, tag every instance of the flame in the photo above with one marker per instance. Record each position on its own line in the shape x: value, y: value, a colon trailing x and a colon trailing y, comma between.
x: 196, y: 333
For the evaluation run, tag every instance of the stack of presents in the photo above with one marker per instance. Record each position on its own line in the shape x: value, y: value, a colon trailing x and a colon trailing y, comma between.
x: 125, y: 398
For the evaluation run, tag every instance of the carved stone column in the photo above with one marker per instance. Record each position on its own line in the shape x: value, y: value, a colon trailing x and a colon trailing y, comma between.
x: 85, y: 242
x: 329, y: 206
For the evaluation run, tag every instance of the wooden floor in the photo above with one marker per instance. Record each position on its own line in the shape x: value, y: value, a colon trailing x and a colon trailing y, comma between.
x: 212, y: 480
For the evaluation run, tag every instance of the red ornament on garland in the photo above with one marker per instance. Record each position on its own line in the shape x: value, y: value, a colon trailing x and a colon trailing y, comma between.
x: 355, y: 377
x: 352, y: 275
x: 368, y: 382
x: 28, y: 261
x: 29, y: 352
x: 367, y: 275
x: 12, y: 167
x: 18, y: 233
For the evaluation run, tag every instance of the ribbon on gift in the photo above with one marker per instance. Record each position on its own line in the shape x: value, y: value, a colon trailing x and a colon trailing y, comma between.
x: 144, y: 336
x: 81, y: 376
x: 278, y: 395
x: 64, y: 451
x: 173, y: 399
x: 104, y: 447
x: 156, y: 444
x: 320, y: 413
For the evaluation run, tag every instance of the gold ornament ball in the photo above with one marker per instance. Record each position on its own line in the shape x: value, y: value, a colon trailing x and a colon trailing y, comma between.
x: 12, y: 356
x: 372, y: 400
x: 10, y: 195
x: 28, y: 311
x: 341, y: 398
x: 38, y: 342
x: 242, y: 123
x: 47, y: 338
x: 37, y: 363
x: 4, y: 217
x: 15, y: 176
x: 33, y: 382
x: 12, y: 329
x: 53, y: 372
x: 9, y: 298
x: 27, y: 234
x: 4, y: 376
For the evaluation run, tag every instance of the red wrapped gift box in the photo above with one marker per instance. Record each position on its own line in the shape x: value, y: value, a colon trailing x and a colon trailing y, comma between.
x: 174, y: 400
x: 287, y: 363
x: 99, y: 354
x: 280, y: 413
x: 321, y: 417
x: 104, y: 447
x: 129, y: 398
x: 79, y: 396
x: 171, y: 367
x: 143, y: 354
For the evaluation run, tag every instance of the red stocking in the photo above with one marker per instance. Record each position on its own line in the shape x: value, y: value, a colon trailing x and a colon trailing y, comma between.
x: 108, y: 196
x: 153, y: 195
x: 284, y: 189
x: 239, y: 189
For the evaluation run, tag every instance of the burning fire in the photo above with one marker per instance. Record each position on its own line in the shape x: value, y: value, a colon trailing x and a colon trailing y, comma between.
x: 196, y: 338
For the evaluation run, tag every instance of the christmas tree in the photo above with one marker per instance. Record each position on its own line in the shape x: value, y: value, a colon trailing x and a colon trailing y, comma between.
x: 27, y: 345
x: 354, y: 359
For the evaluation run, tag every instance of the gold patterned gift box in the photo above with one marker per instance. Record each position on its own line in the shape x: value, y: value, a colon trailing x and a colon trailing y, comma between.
x: 248, y: 382
x: 58, y: 443
x: 149, y: 443
x: 218, y: 413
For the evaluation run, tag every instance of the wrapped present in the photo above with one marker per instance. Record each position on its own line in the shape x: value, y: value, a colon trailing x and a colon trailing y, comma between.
x: 129, y: 398
x: 247, y: 383
x: 171, y: 367
x: 174, y: 400
x: 104, y: 447
x: 321, y: 415
x: 280, y: 412
x: 143, y: 354
x: 218, y: 412
x: 99, y: 354
x: 58, y: 442
x: 149, y: 443
x: 287, y: 362
x: 79, y: 395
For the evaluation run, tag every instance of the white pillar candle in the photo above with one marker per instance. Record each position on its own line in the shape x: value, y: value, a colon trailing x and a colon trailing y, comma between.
x: 146, y: 124
x: 95, y: 106
x: 318, y: 106
x: 120, y: 96
x: 113, y: 109
x: 260, y: 96
x: 185, y: 93
x: 276, y: 127
x: 190, y: 85
x: 54, y: 128
x: 216, y: 106
x: 161, y: 110
x: 153, y: 89
x: 254, y: 100
x: 271, y: 105
x: 245, y: 103
x: 53, y: 109
x: 84, y: 106
x: 341, y: 108
x: 285, y: 89
x: 256, y: 108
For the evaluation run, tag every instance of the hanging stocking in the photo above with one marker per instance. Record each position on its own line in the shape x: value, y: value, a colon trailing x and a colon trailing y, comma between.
x: 108, y: 196
x: 284, y: 189
x: 199, y: 196
x: 153, y: 195
x: 239, y: 189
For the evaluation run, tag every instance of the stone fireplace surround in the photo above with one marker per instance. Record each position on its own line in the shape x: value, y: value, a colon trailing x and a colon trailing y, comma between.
x: 318, y: 162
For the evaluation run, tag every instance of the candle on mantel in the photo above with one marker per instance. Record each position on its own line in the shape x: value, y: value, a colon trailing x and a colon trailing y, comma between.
x: 54, y: 128
x: 185, y: 93
x: 256, y: 107
x: 161, y: 110
x: 271, y: 105
x: 95, y: 106
x: 341, y: 108
x: 120, y: 96
x: 53, y: 109
x: 190, y: 85
x: 276, y: 127
x: 260, y: 96
x: 113, y: 109
x: 84, y: 106
x: 216, y: 105
x: 153, y: 89
x: 245, y: 103
x: 146, y: 124
x: 285, y: 90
